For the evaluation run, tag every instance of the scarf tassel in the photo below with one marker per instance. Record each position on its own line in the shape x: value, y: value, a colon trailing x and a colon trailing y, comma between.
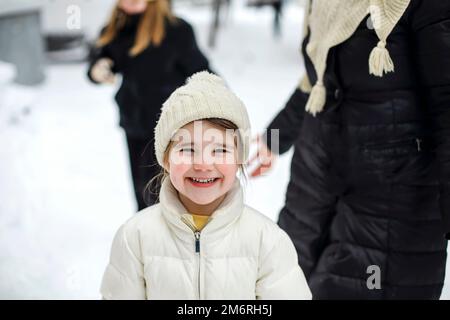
x: 317, y: 99
x: 380, y: 61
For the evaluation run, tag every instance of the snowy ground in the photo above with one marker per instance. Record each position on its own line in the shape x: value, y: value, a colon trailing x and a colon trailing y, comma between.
x: 64, y: 175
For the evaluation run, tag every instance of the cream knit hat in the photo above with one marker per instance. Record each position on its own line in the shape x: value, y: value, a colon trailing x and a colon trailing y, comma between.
x: 204, y: 96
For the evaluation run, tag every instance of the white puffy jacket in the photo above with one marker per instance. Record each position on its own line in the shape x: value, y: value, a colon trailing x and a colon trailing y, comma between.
x: 239, y: 254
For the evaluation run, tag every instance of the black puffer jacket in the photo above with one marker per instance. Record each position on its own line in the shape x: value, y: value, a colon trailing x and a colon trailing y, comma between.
x: 370, y: 175
x: 149, y: 78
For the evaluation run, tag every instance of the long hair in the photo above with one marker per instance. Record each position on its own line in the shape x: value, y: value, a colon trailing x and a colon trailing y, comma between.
x: 150, y: 30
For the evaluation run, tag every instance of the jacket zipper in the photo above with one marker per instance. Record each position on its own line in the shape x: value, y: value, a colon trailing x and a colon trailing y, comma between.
x: 197, y: 250
x: 197, y: 241
x: 197, y: 234
x: 394, y: 144
x: 419, y: 144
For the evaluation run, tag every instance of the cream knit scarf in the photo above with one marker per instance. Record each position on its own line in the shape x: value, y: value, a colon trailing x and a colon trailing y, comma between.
x: 331, y: 22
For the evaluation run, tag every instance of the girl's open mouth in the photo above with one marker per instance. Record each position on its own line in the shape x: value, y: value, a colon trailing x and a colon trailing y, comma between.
x: 202, y: 183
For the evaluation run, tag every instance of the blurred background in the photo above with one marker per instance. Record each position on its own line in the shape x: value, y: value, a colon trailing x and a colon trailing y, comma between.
x: 65, y: 184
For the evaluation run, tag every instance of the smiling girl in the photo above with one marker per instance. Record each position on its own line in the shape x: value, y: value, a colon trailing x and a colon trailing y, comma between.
x: 201, y: 241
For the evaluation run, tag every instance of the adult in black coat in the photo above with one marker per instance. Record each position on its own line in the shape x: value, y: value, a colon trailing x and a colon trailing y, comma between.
x: 369, y: 193
x: 150, y: 73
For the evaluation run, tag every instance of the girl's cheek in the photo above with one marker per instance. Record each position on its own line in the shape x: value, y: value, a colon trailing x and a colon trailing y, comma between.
x: 228, y: 171
x: 177, y: 172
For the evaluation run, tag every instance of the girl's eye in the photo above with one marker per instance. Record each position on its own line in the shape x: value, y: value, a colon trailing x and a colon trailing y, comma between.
x: 187, y: 150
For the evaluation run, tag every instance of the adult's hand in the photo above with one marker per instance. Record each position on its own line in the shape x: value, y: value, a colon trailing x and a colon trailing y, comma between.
x: 101, y: 71
x: 264, y: 158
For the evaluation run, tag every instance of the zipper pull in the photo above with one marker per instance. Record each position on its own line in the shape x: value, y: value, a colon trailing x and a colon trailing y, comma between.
x: 419, y: 141
x: 197, y: 241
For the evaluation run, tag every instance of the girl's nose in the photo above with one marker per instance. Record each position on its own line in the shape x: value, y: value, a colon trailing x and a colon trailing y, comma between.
x: 202, y: 164
x: 202, y: 167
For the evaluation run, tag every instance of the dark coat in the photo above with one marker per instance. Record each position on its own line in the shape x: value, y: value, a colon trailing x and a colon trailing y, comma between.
x: 370, y: 175
x: 149, y: 78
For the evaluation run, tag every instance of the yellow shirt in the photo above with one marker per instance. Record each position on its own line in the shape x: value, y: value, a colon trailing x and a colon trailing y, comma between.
x: 200, y: 221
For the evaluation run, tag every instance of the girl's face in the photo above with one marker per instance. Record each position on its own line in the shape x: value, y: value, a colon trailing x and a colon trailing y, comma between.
x: 202, y: 163
x: 133, y: 6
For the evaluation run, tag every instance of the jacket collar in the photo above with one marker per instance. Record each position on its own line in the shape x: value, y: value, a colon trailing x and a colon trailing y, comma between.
x: 219, y: 223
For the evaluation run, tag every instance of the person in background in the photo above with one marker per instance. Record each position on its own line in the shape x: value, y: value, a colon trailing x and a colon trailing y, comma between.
x: 368, y: 202
x: 154, y: 52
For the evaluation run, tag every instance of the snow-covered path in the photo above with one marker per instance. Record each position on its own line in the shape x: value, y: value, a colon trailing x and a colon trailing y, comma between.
x: 64, y: 175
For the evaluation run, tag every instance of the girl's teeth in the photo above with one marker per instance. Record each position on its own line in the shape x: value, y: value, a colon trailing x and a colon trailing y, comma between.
x: 203, y: 180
